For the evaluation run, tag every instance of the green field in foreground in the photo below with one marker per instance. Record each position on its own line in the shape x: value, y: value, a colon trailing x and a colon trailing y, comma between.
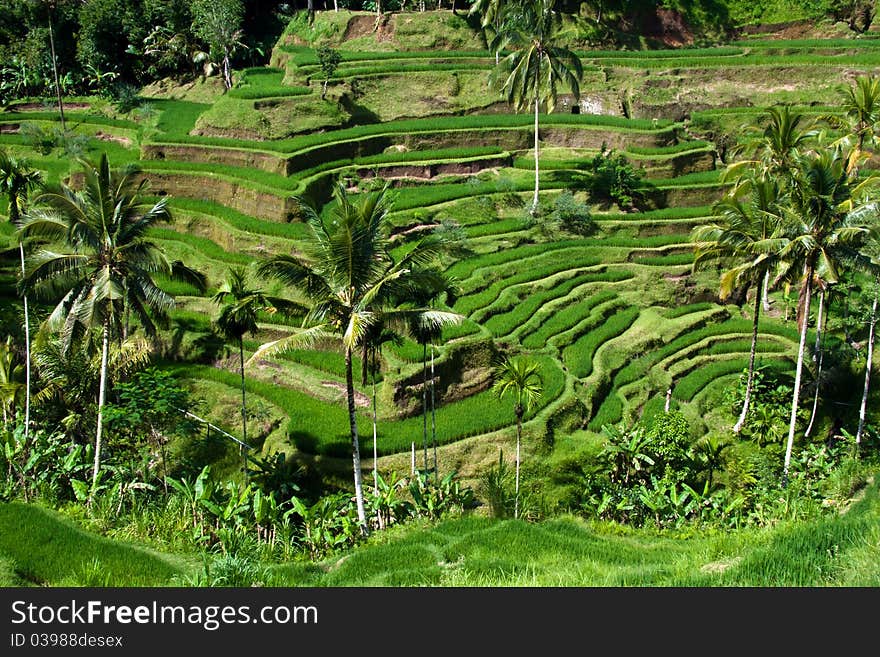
x: 41, y: 547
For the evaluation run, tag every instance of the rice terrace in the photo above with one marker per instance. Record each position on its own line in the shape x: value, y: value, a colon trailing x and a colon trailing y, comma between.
x: 510, y: 293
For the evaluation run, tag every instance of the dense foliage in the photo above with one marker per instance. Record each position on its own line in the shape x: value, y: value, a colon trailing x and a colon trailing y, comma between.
x: 371, y: 269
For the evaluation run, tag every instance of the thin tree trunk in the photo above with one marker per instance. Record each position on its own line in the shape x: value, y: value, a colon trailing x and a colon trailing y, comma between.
x: 535, y: 199
x: 227, y: 73
x: 375, y: 471
x: 27, y: 352
x: 102, y: 393
x: 765, y: 291
x: 819, y: 325
x: 864, y: 406
x: 243, y: 398
x: 433, y: 419
x: 518, y: 441
x: 817, y: 350
x: 55, y: 72
x: 425, y: 402
x: 355, y: 447
x: 751, y: 375
x: 798, y: 371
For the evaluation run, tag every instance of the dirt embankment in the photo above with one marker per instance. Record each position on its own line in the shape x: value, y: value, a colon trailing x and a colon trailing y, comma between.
x: 212, y: 154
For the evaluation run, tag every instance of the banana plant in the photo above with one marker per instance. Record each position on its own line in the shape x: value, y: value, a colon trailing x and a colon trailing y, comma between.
x: 193, y: 493
x: 388, y: 507
x: 234, y: 509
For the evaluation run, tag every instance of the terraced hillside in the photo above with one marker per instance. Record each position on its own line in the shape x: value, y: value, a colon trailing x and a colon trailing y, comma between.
x: 615, y: 318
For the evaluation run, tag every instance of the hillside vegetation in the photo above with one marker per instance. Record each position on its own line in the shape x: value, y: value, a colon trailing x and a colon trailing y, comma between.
x: 572, y: 254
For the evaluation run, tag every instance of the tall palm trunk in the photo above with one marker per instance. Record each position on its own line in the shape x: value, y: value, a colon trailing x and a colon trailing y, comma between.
x: 805, y: 320
x: 55, y: 71
x: 870, y: 357
x: 519, y: 415
x: 27, y: 352
x: 535, y: 198
x: 433, y: 419
x: 102, y: 394
x: 243, y: 399
x: 375, y: 470
x: 355, y: 447
x: 425, y: 402
x: 817, y: 353
x: 751, y: 375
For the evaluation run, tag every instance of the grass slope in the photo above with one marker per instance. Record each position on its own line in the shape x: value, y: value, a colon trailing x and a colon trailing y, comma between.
x: 837, y: 551
x: 41, y: 547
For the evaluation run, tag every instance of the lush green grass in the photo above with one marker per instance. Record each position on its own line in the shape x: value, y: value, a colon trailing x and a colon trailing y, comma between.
x: 840, y: 550
x: 321, y: 428
x: 578, y: 356
x: 46, y: 549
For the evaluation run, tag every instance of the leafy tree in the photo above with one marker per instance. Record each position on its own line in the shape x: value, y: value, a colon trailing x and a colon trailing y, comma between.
x: 218, y: 23
x: 68, y: 377
x: 347, y: 270
x: 151, y: 404
x: 531, y: 74
x: 709, y: 456
x: 613, y: 178
x: 329, y: 59
x: 107, y: 28
x: 571, y: 215
x: 521, y: 379
x: 375, y: 336
x: 107, y: 263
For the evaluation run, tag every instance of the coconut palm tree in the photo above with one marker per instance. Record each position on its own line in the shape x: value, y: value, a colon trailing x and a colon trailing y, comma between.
x: 746, y: 236
x: 490, y: 13
x: 537, y: 65
x: 521, y: 378
x: 240, y: 307
x: 771, y: 154
x: 774, y: 151
x: 105, y: 262
x: 826, y: 223
x: 346, y: 268
x: 860, y: 122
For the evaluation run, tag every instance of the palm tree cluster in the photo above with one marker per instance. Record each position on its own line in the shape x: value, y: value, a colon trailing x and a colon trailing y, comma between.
x: 801, y: 212
x: 90, y: 258
x: 358, y: 289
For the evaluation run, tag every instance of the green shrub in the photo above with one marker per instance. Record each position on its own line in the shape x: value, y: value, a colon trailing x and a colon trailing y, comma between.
x: 613, y: 179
